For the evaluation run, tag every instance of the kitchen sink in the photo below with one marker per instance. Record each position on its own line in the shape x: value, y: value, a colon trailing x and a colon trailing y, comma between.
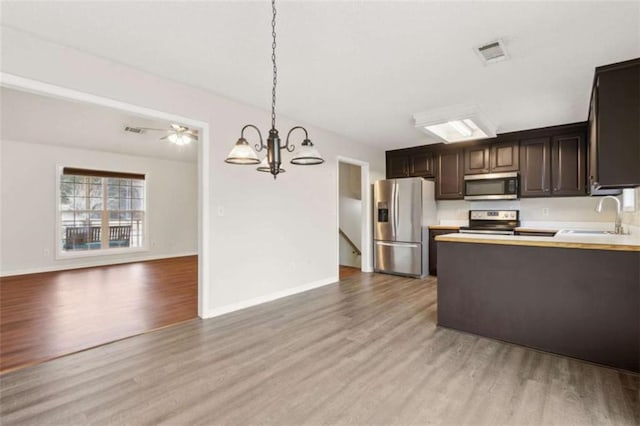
x: 590, y: 232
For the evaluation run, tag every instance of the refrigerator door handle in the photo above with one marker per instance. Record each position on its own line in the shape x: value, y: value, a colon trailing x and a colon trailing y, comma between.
x: 396, y: 210
x: 393, y: 210
x: 381, y: 243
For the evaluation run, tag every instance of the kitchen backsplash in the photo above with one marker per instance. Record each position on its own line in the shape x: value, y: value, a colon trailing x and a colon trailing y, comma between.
x: 569, y: 209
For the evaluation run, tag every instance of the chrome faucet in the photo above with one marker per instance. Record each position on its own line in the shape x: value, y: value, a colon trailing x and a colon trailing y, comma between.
x: 618, y: 227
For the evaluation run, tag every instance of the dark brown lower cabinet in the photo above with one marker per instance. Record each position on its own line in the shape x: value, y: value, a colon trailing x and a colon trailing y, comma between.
x: 577, y: 302
x: 535, y: 167
x: 433, y: 248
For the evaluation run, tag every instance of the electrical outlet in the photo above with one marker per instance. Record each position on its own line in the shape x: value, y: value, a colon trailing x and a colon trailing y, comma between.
x: 220, y: 211
x: 46, y: 252
x: 545, y: 211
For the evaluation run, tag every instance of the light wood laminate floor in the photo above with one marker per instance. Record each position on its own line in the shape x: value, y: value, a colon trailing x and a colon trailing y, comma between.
x: 44, y: 316
x: 362, y: 351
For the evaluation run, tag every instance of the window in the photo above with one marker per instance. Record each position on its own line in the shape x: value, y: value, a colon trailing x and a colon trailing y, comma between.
x: 101, y: 210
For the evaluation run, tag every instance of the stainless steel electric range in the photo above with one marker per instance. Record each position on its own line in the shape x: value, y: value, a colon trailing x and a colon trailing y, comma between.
x: 496, y: 222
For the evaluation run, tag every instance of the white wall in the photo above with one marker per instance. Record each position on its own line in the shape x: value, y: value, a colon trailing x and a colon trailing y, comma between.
x: 534, y: 210
x: 28, y: 211
x: 633, y: 218
x: 350, y: 205
x: 274, y: 236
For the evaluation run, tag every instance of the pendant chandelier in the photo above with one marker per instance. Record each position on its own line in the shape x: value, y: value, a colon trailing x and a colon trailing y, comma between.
x: 244, y: 154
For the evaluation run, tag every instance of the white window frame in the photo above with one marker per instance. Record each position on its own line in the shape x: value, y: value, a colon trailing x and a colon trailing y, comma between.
x: 63, y: 254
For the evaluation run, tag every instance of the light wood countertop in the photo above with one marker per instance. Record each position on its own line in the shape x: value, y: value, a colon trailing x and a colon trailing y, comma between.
x: 613, y: 242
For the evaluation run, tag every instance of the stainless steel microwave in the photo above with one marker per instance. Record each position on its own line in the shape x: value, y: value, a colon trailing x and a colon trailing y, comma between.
x: 491, y: 186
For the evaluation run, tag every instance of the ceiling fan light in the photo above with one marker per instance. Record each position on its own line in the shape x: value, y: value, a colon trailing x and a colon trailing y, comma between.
x: 242, y: 154
x: 307, y: 155
x: 180, y: 139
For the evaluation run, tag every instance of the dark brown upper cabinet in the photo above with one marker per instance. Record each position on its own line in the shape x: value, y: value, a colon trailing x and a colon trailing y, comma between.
x: 449, y: 175
x: 535, y: 167
x: 551, y: 161
x: 568, y: 164
x: 421, y: 164
x: 397, y: 166
x: 410, y: 162
x: 614, y: 127
x: 494, y: 158
x: 505, y: 157
x: 476, y: 160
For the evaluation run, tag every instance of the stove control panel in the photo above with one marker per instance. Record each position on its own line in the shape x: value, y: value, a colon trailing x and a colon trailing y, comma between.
x: 493, y: 214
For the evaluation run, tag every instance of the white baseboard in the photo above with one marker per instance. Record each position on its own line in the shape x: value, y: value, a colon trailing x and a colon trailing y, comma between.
x: 92, y: 263
x: 268, y: 297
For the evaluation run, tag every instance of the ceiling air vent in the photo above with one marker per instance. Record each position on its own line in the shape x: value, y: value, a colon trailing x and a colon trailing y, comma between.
x: 133, y: 129
x: 494, y: 51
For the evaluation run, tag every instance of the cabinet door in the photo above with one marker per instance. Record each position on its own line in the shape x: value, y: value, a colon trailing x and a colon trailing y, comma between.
x: 397, y: 166
x: 568, y: 165
x: 618, y: 126
x: 535, y: 167
x: 505, y: 157
x: 476, y: 160
x: 593, y: 139
x: 421, y: 165
x: 449, y: 176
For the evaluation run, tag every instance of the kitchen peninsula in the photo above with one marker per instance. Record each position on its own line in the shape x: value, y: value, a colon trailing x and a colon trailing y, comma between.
x: 573, y: 295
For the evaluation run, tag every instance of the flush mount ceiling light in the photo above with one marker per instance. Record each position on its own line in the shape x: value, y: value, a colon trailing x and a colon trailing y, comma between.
x: 454, y: 124
x: 242, y: 152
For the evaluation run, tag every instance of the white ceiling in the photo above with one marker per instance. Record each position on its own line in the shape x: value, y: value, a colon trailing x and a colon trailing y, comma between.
x: 360, y: 68
x: 27, y: 117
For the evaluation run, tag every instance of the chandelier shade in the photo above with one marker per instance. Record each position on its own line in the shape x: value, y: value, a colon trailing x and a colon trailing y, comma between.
x: 242, y: 154
x: 307, y: 155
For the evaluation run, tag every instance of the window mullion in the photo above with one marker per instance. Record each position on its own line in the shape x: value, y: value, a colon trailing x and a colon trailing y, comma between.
x: 105, y: 215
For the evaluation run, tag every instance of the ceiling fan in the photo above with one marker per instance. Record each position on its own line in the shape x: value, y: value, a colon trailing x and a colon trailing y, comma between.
x: 176, y: 134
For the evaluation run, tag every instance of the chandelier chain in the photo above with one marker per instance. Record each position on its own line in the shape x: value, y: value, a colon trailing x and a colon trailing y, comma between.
x: 275, y: 68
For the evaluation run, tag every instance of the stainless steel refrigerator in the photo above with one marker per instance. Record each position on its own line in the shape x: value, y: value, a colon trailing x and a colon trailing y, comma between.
x: 403, y: 209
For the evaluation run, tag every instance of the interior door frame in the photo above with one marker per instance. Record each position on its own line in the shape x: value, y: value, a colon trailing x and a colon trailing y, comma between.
x: 12, y: 81
x: 366, y: 240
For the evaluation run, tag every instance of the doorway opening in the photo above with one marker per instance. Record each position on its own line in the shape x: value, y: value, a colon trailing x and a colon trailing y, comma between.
x: 353, y: 218
x: 118, y: 245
